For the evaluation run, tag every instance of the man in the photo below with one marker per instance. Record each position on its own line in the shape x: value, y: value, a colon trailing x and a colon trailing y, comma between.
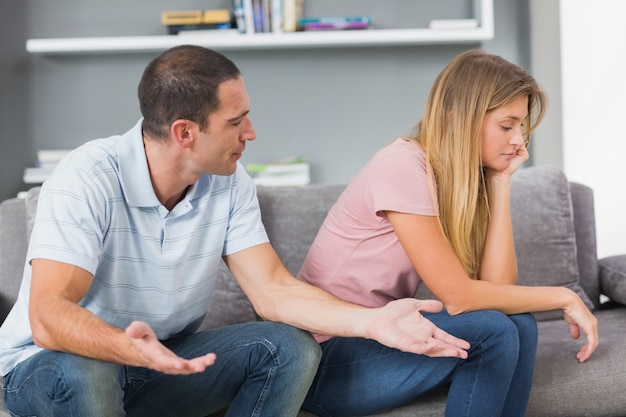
x: 124, y: 253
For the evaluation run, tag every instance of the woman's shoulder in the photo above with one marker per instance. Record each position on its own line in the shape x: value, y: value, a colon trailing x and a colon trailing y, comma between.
x: 400, y: 149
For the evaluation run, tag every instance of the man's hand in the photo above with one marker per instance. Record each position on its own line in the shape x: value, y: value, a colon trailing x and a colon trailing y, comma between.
x: 158, y: 357
x: 400, y: 325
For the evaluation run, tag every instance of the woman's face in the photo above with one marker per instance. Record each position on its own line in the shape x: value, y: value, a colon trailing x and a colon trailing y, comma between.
x: 502, y: 134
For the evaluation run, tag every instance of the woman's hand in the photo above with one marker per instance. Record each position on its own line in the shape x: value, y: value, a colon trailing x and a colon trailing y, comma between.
x: 578, y: 317
x: 521, y: 156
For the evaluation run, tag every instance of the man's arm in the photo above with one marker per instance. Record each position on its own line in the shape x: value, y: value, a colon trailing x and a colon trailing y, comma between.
x: 279, y: 296
x: 59, y: 323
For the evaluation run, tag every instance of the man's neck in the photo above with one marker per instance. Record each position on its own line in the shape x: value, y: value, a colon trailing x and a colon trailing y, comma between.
x: 165, y: 173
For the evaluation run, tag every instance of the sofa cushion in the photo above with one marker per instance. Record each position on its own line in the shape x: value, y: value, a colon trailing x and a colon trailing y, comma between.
x: 543, y: 228
x: 586, y: 246
x: 613, y: 278
x: 31, y: 208
x: 12, y: 252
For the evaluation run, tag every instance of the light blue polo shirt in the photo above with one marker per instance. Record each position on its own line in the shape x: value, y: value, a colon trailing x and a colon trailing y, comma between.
x: 98, y: 211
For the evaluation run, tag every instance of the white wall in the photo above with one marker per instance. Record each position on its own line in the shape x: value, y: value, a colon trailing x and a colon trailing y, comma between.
x: 593, y: 68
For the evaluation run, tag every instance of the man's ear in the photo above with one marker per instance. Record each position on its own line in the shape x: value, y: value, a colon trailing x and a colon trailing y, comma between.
x: 183, y: 132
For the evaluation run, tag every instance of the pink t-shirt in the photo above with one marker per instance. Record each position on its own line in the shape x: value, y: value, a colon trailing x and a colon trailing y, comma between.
x: 356, y: 255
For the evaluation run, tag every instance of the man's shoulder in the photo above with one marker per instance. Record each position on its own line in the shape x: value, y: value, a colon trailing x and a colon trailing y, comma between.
x: 93, y: 165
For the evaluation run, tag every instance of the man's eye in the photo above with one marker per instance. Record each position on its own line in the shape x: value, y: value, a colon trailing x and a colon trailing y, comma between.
x: 237, y: 123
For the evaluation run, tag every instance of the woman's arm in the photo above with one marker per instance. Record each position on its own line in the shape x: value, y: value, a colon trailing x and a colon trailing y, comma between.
x: 498, y: 263
x: 435, y: 261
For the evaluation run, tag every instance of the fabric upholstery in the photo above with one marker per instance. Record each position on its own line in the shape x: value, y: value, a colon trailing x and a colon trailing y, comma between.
x: 12, y: 252
x: 587, y: 256
x: 543, y: 229
x: 613, y: 278
x: 31, y: 208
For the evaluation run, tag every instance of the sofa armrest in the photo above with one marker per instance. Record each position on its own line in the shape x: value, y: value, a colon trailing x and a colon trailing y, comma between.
x: 613, y: 278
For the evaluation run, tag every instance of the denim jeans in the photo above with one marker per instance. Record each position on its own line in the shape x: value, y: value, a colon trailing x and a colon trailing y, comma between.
x: 262, y: 369
x: 361, y: 377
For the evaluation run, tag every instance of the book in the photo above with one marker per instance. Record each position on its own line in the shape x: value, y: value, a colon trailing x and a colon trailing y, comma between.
x: 51, y: 155
x: 248, y: 16
x: 177, y: 29
x: 257, y: 13
x: 336, y: 26
x: 182, y: 17
x: 283, y: 181
x: 36, y: 175
x: 175, y: 21
x: 292, y: 12
x: 216, y: 16
x: 47, y: 160
x: 238, y: 12
x: 335, y: 19
x: 285, y: 171
x: 208, y: 32
x: 276, y: 14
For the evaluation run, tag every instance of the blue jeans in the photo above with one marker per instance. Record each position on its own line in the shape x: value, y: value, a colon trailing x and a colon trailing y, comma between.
x: 262, y: 369
x: 361, y: 377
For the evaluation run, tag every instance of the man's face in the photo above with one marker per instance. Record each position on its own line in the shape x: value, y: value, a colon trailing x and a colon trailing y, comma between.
x: 218, y: 149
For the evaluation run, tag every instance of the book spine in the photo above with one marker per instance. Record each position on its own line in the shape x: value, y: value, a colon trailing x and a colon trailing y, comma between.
x: 248, y: 14
x: 257, y: 10
x: 277, y: 16
x: 336, y: 26
x: 239, y: 15
x: 181, y: 17
x: 266, y: 13
x: 335, y: 19
x: 292, y: 12
x: 175, y: 29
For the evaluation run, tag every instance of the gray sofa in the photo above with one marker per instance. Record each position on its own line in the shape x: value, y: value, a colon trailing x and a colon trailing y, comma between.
x: 556, y: 245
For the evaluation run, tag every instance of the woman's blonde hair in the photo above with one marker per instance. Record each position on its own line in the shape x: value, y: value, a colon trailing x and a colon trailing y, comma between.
x: 471, y: 85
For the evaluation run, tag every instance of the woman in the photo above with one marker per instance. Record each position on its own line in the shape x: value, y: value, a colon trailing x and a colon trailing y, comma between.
x: 435, y: 208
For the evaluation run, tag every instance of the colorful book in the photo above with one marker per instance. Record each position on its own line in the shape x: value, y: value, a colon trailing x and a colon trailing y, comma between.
x: 336, y: 26
x: 283, y: 172
x: 335, y: 19
x: 178, y: 29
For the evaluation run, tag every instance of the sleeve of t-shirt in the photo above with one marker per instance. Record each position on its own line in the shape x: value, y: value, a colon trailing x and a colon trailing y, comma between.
x: 245, y: 226
x: 70, y: 220
x: 398, y: 182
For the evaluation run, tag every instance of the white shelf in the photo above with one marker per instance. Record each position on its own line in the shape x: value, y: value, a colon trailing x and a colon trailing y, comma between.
x: 296, y: 40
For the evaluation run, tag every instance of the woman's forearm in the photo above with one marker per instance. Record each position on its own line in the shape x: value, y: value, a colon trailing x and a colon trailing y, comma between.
x: 498, y: 263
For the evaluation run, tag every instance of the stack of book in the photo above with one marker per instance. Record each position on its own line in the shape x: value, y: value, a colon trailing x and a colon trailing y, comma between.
x: 267, y: 16
x: 180, y: 22
x: 283, y: 172
x: 47, y: 160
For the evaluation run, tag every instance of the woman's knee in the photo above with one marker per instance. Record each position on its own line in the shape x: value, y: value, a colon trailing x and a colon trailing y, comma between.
x: 496, y: 331
x: 292, y: 345
x: 526, y: 325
